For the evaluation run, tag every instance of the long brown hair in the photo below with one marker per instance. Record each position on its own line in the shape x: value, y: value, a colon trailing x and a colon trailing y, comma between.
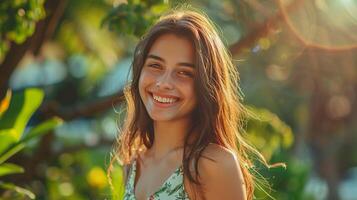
x: 218, y: 117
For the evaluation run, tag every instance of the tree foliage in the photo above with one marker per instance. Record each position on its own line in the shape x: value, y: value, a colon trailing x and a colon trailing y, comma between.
x: 17, y: 21
x: 134, y: 17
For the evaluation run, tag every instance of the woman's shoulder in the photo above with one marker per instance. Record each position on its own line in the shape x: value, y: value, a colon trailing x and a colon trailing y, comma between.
x: 215, y: 154
x: 220, y: 173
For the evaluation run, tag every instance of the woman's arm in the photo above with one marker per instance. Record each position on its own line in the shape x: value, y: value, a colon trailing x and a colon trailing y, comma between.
x: 220, y: 175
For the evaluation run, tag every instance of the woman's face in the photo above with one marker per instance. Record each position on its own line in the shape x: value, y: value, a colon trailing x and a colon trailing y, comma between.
x: 166, y: 83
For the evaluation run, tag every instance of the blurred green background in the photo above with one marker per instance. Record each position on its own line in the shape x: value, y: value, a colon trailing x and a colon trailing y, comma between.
x: 63, y: 65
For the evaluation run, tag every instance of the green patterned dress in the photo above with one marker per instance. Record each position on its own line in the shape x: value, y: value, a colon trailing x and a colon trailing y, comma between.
x: 172, y: 189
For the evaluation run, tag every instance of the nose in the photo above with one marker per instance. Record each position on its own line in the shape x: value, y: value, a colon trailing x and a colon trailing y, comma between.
x: 164, y: 82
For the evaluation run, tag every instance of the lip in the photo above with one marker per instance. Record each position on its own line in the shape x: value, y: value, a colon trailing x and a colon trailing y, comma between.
x: 163, y: 105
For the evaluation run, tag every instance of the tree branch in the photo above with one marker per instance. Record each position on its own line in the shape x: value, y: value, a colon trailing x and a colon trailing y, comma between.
x: 83, y: 109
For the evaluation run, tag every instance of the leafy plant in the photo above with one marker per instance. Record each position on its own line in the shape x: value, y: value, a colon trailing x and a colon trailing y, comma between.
x: 15, y: 112
x: 17, y: 20
x: 274, y: 138
x: 267, y: 132
x: 134, y: 17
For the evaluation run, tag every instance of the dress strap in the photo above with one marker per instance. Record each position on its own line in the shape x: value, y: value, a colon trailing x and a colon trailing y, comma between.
x: 131, y: 177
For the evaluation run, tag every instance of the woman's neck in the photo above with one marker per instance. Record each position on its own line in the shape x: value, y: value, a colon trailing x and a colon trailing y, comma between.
x: 169, y: 136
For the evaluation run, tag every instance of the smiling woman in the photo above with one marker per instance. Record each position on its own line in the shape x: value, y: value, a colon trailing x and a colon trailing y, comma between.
x: 184, y: 116
x: 166, y: 83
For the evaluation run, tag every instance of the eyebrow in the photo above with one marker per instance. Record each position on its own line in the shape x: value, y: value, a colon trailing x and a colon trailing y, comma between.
x: 163, y: 60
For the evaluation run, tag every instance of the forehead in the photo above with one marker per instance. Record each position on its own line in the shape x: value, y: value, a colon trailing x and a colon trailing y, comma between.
x: 173, y: 48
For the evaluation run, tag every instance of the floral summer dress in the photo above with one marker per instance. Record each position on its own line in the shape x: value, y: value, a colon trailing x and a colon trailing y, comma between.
x: 172, y: 189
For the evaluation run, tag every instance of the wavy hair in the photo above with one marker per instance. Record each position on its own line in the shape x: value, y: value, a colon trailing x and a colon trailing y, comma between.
x: 216, y: 85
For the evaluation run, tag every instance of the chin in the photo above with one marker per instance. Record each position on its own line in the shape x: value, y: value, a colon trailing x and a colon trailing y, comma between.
x: 162, y: 118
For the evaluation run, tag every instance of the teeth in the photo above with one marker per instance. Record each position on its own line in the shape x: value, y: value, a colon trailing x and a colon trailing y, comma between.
x: 164, y: 100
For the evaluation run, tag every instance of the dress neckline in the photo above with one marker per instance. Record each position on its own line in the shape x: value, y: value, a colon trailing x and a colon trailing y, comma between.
x: 133, y: 177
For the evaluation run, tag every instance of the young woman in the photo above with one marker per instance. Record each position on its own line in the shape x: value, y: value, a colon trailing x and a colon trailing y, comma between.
x: 181, y: 138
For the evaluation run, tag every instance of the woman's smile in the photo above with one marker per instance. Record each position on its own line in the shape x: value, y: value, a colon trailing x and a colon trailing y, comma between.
x: 164, y: 101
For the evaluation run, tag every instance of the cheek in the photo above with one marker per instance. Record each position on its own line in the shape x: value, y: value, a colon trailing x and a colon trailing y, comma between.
x: 191, y: 93
x: 145, y: 80
x: 142, y: 85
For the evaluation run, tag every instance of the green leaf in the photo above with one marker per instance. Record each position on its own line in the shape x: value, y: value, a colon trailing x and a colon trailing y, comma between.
x: 37, y: 131
x: 267, y: 132
x: 42, y: 128
x: 23, y: 191
x: 9, y: 168
x: 8, y: 137
x: 13, y: 150
x: 13, y: 122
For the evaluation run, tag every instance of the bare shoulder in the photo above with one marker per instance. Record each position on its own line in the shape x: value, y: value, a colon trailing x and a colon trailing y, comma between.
x: 216, y: 158
x: 222, y: 155
x: 220, y: 174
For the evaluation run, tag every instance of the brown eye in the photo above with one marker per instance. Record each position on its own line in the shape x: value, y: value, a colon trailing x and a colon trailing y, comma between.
x: 156, y: 66
x: 185, y: 73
